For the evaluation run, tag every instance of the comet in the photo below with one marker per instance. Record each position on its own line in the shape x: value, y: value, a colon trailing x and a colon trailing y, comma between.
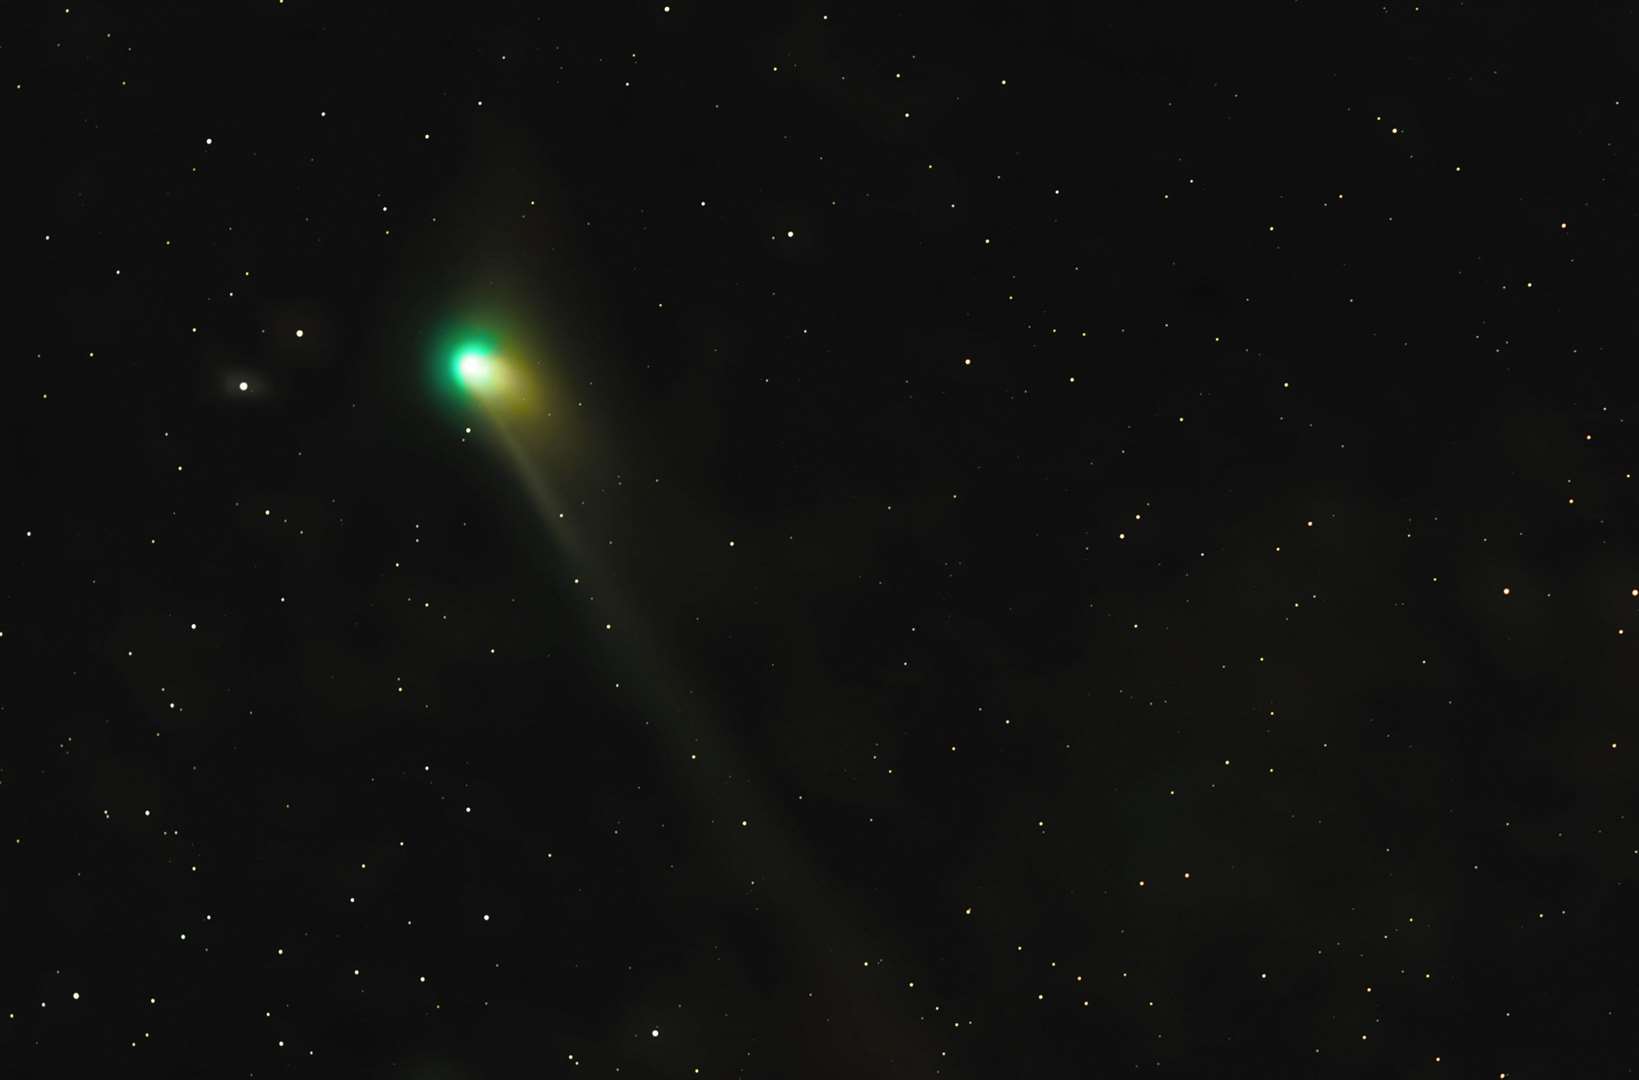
x: 537, y: 422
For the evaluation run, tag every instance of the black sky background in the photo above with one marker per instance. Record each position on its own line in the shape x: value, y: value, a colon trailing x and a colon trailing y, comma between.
x: 1124, y: 460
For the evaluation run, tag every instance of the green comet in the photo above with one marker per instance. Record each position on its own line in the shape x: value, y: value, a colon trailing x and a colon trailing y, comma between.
x: 475, y: 363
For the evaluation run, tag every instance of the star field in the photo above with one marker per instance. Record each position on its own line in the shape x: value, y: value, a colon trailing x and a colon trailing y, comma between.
x: 679, y: 541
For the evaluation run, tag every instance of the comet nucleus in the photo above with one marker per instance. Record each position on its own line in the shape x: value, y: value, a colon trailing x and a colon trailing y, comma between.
x: 474, y: 367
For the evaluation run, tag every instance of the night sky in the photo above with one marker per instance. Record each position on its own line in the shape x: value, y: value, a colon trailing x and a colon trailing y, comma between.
x: 1057, y: 541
